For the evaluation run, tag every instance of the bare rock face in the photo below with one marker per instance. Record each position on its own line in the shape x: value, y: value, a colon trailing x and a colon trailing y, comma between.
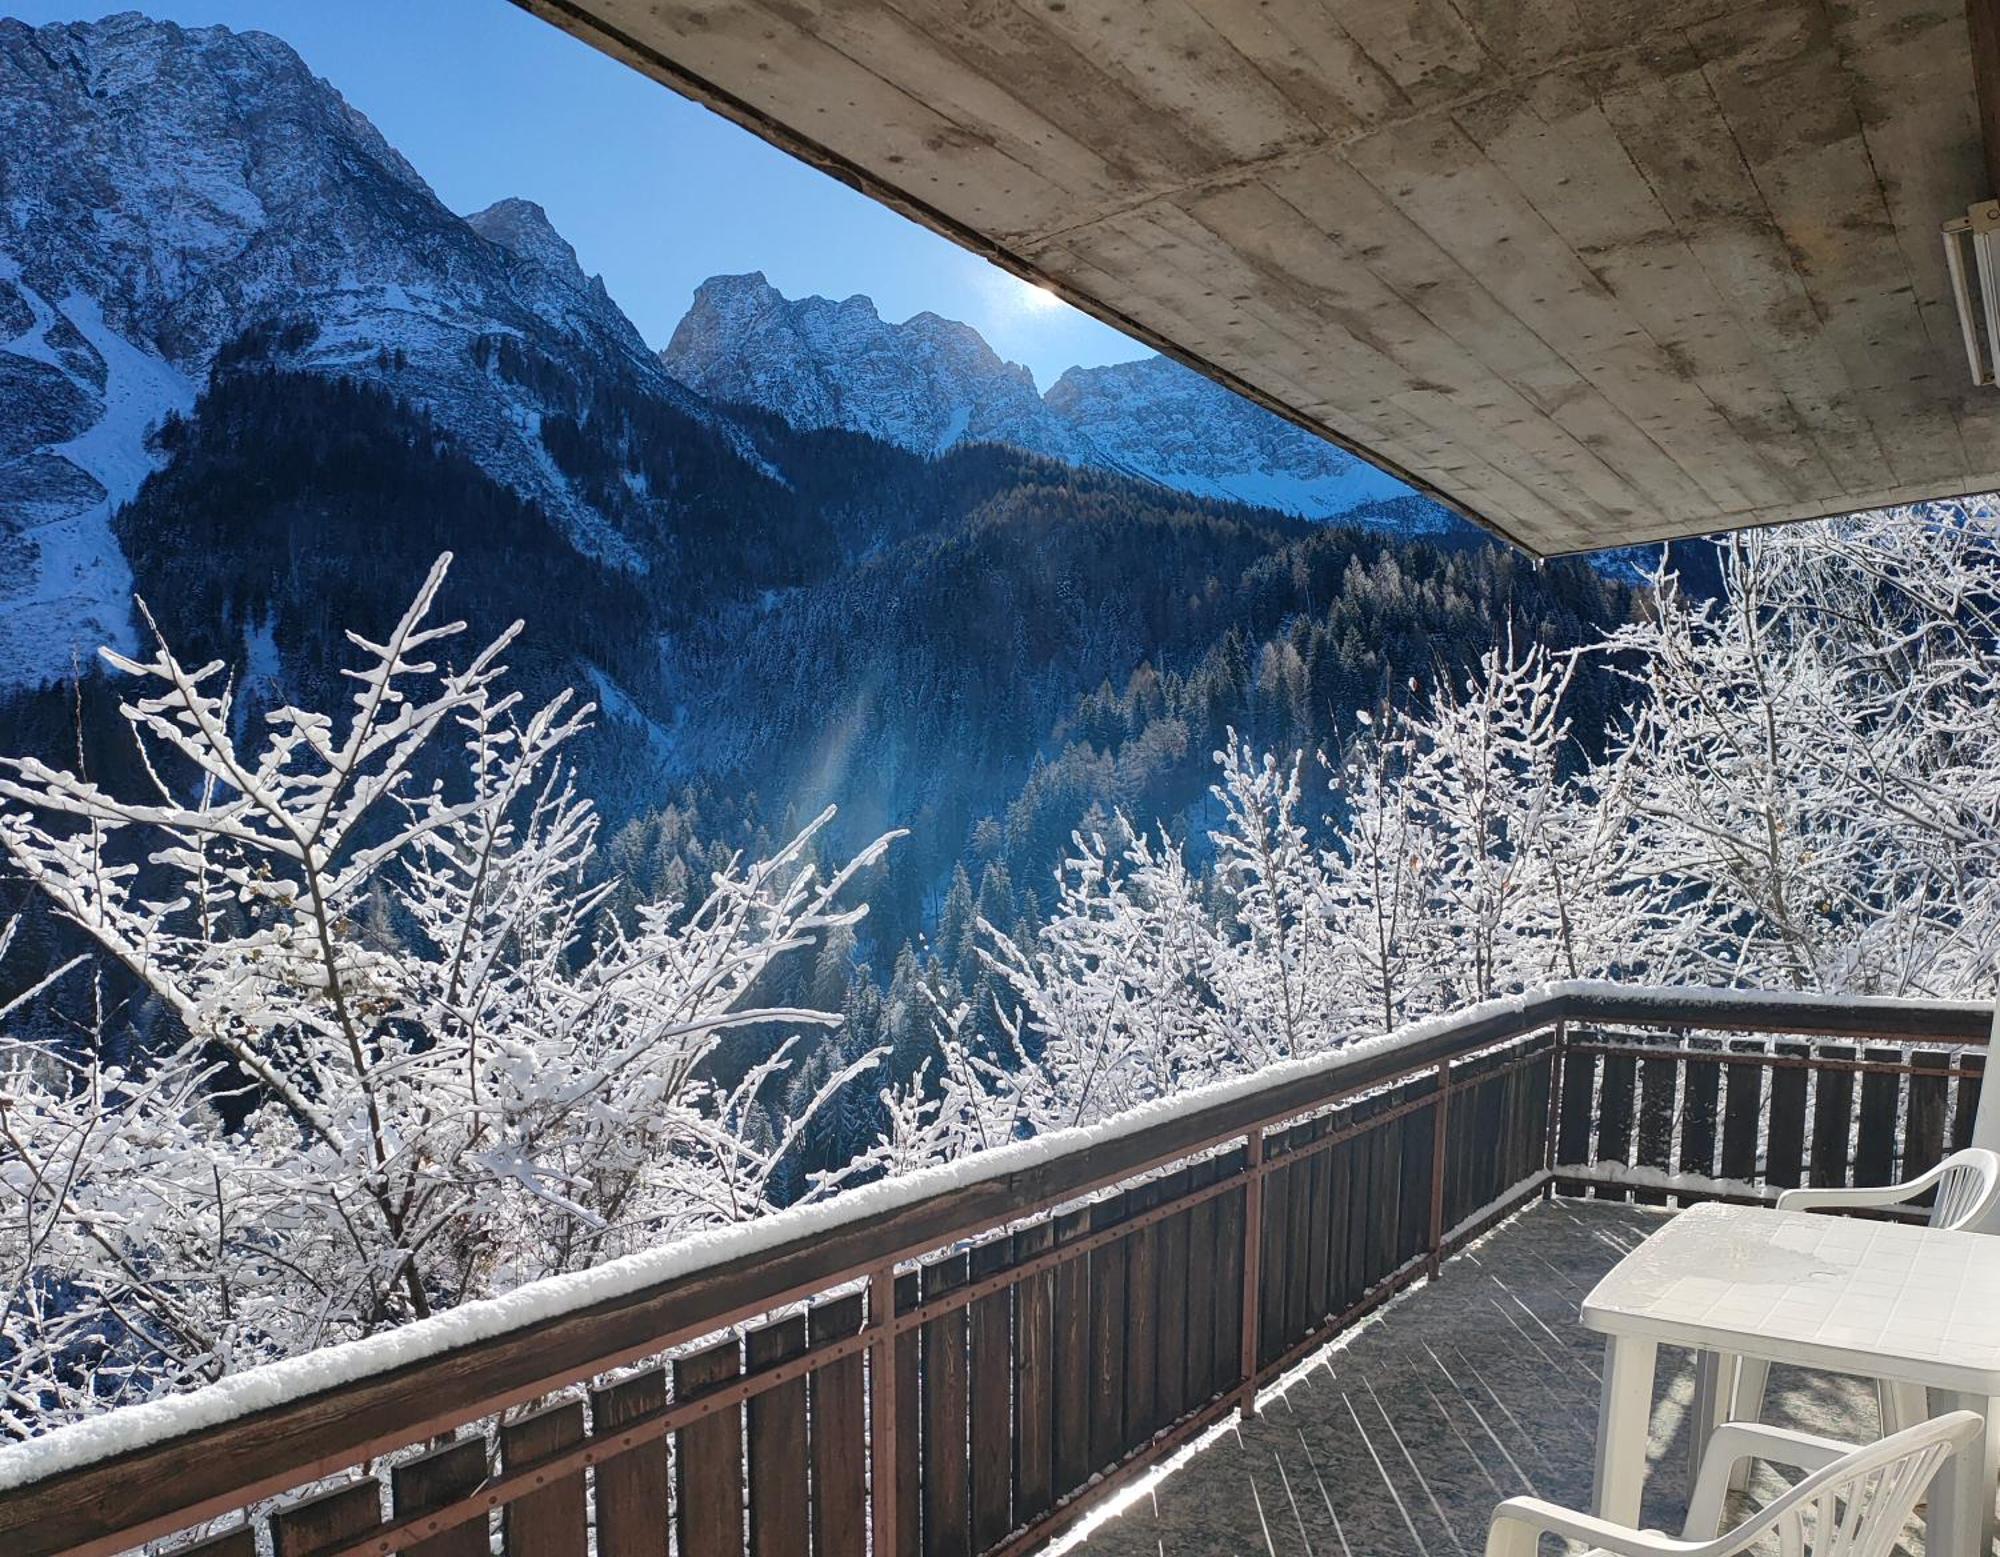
x: 927, y: 384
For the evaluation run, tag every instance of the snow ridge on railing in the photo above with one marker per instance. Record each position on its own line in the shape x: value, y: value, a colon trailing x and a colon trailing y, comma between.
x: 151, y: 1423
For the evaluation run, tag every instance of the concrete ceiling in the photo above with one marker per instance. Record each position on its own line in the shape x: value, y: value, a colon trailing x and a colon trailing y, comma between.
x: 1592, y: 272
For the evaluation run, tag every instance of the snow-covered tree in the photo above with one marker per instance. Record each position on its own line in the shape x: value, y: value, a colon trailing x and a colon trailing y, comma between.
x: 1118, y: 991
x: 1486, y: 781
x: 1377, y: 872
x: 1812, y: 770
x: 418, y: 1058
x: 1276, y: 969
x: 1805, y: 793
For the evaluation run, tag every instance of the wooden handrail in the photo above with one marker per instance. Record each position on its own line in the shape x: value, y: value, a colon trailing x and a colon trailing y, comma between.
x: 132, y: 1495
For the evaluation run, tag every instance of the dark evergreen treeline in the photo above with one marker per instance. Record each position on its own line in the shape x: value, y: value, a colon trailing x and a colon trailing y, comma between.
x: 984, y: 648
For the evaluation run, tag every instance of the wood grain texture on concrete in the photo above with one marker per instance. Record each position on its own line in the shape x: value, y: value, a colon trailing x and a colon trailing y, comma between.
x: 1590, y: 271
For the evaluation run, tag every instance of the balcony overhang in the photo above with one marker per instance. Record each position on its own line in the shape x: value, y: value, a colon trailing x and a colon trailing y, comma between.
x: 1591, y: 272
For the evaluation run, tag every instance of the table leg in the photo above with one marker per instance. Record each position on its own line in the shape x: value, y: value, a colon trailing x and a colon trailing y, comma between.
x: 1960, y: 1519
x: 1624, y: 1415
x: 1714, y: 1385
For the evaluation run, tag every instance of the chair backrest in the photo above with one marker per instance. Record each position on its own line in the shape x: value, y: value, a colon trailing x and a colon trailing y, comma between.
x: 1968, y: 1189
x: 1857, y: 1506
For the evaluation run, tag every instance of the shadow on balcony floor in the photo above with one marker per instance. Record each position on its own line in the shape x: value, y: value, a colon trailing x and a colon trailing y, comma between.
x: 1476, y: 1388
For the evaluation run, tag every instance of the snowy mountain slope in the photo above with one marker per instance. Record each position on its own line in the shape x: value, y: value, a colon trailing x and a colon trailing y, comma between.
x: 1157, y: 419
x: 181, y: 186
x: 927, y: 384
x: 85, y: 399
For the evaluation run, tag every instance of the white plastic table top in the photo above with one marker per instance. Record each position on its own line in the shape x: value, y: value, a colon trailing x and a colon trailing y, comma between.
x: 1876, y: 1298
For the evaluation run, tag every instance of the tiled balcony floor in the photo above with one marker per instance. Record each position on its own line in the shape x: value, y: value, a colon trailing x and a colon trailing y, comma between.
x: 1476, y: 1388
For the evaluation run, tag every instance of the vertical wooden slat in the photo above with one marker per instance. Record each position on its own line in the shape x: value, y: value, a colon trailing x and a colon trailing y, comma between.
x: 633, y: 1513
x: 1577, y: 1114
x: 1700, y: 1111
x: 908, y: 1489
x: 1034, y: 1369
x: 1657, y: 1082
x: 1339, y: 1161
x: 1435, y: 1124
x: 1541, y: 1153
x: 1785, y: 1141
x: 1928, y: 1094
x: 1170, y: 1337
x: 1492, y: 1116
x: 708, y: 1469
x: 1231, y: 1240
x: 1462, y: 1145
x: 1142, y: 1291
x: 1387, y: 1137
x: 1070, y: 1381
x: 1250, y: 1309
x: 550, y: 1521
x: 1298, y: 1237
x: 1527, y: 1111
x: 1507, y: 1085
x: 1108, y: 1320
x: 947, y: 1531
x: 1875, y: 1125
x: 1274, y: 1214
x: 1833, y: 1118
x: 1413, y: 1159
x: 435, y: 1478
x: 1614, y: 1118
x: 837, y: 1434
x: 779, y: 1515
x: 1202, y: 1276
x: 1360, y: 1203
x: 1461, y: 1142
x: 1965, y: 1107
x: 1742, y: 1112
x: 1477, y: 1109
x: 1319, y: 1251
x: 327, y: 1519
x: 992, y: 1384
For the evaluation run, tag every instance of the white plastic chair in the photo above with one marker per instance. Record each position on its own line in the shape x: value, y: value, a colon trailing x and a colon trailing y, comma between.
x: 1968, y: 1192
x: 1967, y: 1184
x: 1853, y: 1503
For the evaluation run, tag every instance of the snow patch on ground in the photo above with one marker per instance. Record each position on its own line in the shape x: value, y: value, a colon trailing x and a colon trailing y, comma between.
x: 1306, y: 497
x: 76, y: 592
x: 615, y: 703
x: 32, y: 342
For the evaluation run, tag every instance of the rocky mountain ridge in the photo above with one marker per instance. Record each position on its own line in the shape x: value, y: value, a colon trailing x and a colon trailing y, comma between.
x: 169, y: 188
x: 929, y: 384
x: 180, y: 199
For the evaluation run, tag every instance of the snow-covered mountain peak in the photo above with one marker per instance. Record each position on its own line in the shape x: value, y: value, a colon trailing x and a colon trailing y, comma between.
x: 1158, y: 419
x: 931, y: 383
x: 183, y: 190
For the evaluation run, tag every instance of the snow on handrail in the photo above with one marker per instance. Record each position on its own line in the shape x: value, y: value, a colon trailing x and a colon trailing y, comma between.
x: 129, y: 1429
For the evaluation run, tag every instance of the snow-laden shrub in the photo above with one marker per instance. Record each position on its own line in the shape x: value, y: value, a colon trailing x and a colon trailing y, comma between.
x: 1805, y: 795
x: 416, y: 1060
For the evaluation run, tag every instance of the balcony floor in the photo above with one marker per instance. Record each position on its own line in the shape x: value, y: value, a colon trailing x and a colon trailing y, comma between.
x: 1478, y: 1387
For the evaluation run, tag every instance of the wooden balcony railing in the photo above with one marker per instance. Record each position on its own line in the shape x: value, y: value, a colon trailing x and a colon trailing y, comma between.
x: 963, y: 1363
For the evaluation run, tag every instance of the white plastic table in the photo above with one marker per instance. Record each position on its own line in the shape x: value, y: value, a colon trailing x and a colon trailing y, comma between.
x: 1879, y: 1299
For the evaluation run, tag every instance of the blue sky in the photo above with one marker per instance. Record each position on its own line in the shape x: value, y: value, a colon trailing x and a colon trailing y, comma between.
x: 654, y: 191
